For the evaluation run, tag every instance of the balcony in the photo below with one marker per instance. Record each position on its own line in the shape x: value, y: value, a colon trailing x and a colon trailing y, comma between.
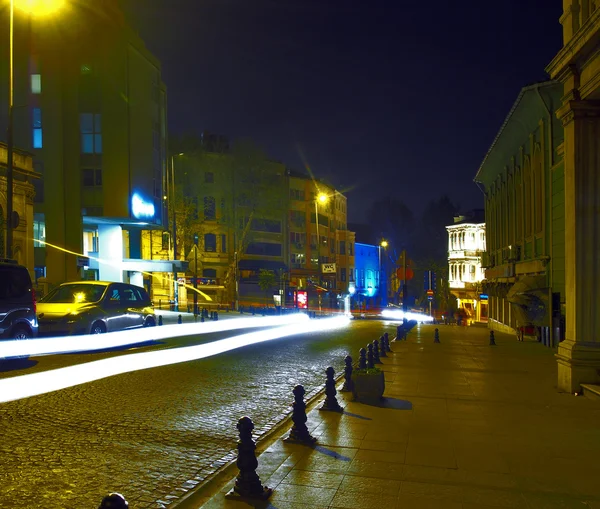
x: 488, y: 259
x: 511, y: 254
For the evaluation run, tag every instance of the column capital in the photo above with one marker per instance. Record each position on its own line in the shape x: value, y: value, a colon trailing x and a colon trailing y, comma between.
x: 577, y: 109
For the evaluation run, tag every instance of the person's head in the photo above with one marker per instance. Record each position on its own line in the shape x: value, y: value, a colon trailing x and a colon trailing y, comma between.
x: 114, y: 501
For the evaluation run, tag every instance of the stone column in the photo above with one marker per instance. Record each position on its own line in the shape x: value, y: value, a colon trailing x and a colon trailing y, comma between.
x: 579, y: 354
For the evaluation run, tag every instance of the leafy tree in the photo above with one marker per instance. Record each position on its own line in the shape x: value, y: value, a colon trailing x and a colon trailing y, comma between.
x: 266, y: 281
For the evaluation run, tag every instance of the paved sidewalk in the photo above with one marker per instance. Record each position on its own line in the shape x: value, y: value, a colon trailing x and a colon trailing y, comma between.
x: 464, y: 425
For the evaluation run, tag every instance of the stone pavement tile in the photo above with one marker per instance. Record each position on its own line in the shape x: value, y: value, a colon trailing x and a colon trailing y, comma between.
x: 548, y: 501
x: 310, y: 496
x: 354, y: 500
x: 376, y: 469
x: 318, y: 479
x: 448, y: 492
x: 329, y: 459
x: 352, y: 483
x: 430, y: 455
x: 381, y: 445
x: 398, y: 435
x: 483, y: 460
x: 412, y: 501
x: 420, y: 473
x: 330, y: 439
x: 496, y: 498
x: 380, y: 456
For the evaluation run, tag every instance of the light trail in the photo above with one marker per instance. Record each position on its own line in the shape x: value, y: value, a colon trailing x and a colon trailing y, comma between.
x: 398, y: 314
x: 91, y: 342
x: 26, y: 386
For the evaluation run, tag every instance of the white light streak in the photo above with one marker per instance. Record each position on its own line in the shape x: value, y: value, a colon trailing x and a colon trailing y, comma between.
x: 398, y: 314
x: 90, y: 342
x: 48, y: 381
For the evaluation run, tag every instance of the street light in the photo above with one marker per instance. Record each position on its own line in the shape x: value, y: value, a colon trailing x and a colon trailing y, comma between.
x: 172, y: 196
x: 38, y: 8
x: 382, y: 287
x: 321, y: 197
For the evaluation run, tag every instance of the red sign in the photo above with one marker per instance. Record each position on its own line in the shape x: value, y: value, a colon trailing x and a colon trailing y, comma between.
x: 400, y: 273
x: 429, y: 292
x: 301, y: 299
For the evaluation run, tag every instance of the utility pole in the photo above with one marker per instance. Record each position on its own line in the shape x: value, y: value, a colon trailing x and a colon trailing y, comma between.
x: 195, y: 274
x: 404, y: 290
x: 9, y: 140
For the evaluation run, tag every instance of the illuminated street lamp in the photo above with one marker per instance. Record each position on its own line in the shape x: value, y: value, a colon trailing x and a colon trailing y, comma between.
x: 322, y: 197
x: 37, y: 8
x: 382, y: 277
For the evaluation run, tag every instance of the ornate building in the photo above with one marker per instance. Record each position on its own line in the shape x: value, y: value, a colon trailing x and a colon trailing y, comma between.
x: 466, y: 244
x: 577, y: 68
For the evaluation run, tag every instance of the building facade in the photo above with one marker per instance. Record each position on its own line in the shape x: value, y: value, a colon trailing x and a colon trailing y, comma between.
x: 523, y: 181
x: 577, y: 68
x: 466, y: 244
x: 90, y: 106
x: 367, y: 288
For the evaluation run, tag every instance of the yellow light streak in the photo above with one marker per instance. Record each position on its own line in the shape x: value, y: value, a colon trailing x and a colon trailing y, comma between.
x: 49, y: 381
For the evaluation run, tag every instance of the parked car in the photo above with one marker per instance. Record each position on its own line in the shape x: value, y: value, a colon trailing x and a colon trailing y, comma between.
x: 94, y: 307
x: 17, y: 302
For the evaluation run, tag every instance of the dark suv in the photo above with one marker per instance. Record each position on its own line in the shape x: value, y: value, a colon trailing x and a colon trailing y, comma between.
x: 18, y: 318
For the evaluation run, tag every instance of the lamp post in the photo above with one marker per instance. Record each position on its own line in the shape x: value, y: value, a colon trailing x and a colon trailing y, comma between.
x: 33, y: 7
x: 320, y: 198
x: 382, y: 277
x: 172, y: 196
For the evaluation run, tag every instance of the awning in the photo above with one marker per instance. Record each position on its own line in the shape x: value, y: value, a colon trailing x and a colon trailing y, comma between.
x: 529, y: 298
x: 261, y: 264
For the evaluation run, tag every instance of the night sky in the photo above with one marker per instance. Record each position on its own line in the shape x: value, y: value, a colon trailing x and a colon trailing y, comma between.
x: 381, y: 97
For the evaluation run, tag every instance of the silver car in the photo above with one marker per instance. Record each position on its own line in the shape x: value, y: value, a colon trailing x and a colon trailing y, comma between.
x: 94, y: 307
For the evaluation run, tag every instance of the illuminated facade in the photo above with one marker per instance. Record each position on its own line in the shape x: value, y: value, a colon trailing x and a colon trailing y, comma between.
x: 577, y: 69
x: 523, y: 180
x: 23, y: 193
x: 366, y: 293
x: 466, y: 244
x: 92, y: 111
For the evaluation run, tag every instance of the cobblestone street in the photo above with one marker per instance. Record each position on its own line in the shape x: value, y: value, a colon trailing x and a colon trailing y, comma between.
x: 153, y: 434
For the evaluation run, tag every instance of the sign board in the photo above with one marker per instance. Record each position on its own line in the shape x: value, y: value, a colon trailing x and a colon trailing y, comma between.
x: 301, y: 299
x: 328, y: 268
x: 83, y: 261
x: 483, y: 296
x: 430, y: 293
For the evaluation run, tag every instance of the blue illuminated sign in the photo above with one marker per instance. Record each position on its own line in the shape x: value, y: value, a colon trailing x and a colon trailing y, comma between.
x: 483, y: 296
x: 141, y: 209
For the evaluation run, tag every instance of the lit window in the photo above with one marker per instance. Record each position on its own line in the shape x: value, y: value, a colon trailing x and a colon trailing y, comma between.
x: 37, y: 128
x: 86, y: 69
x: 36, y: 83
x: 90, y: 125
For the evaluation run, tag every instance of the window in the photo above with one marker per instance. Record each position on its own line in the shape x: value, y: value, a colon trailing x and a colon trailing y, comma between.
x: 266, y: 225
x: 264, y: 248
x: 343, y: 274
x: 165, y: 240
x: 209, y: 177
x: 209, y: 208
x: 350, y: 248
x: 210, y: 243
x: 298, y: 260
x: 86, y: 69
x: 90, y: 125
x: 211, y: 273
x: 37, y: 128
x: 91, y: 177
x: 297, y: 194
x: 297, y: 218
x: 36, y: 83
x: 223, y: 243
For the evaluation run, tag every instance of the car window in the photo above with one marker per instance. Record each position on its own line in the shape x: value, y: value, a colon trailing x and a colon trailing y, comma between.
x: 14, y: 282
x: 129, y: 295
x: 75, y: 293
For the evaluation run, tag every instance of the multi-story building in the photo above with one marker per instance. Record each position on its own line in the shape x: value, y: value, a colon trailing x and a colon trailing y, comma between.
x: 577, y: 68
x: 90, y: 106
x: 466, y: 244
x: 522, y: 178
x: 366, y: 291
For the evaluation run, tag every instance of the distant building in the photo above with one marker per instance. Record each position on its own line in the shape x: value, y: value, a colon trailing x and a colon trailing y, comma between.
x: 91, y: 108
x: 466, y: 244
x: 366, y: 293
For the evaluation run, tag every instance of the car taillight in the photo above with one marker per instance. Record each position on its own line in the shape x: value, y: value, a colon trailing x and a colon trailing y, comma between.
x: 34, y: 300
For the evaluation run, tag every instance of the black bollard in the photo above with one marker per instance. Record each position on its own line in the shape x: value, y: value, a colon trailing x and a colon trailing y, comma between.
x: 188, y: 308
x: 362, y: 359
x: 370, y: 363
x: 436, y: 336
x: 398, y: 333
x: 376, y: 359
x: 382, y: 347
x: 299, y: 431
x: 492, y: 338
x: 160, y: 320
x: 347, y: 387
x: 113, y: 501
x: 331, y: 402
x: 247, y: 483
x: 216, y: 316
x: 179, y: 319
x: 387, y: 342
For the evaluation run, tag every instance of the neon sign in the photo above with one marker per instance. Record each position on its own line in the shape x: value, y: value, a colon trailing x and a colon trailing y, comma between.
x: 141, y: 209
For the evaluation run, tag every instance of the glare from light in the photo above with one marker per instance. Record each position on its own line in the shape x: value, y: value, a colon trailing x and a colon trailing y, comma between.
x: 90, y: 342
x: 398, y: 314
x: 49, y: 381
x: 39, y: 7
x: 384, y: 243
x: 322, y: 197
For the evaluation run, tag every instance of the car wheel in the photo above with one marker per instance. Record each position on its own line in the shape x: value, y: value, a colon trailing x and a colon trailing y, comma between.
x: 149, y: 322
x: 21, y: 332
x: 98, y: 328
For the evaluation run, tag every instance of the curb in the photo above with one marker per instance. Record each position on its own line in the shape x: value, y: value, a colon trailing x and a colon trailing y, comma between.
x: 214, y: 483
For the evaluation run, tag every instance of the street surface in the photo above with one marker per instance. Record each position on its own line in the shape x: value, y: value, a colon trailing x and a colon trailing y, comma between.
x: 155, y: 433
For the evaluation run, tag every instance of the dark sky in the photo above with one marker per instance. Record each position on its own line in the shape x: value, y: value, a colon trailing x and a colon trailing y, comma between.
x: 381, y: 97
